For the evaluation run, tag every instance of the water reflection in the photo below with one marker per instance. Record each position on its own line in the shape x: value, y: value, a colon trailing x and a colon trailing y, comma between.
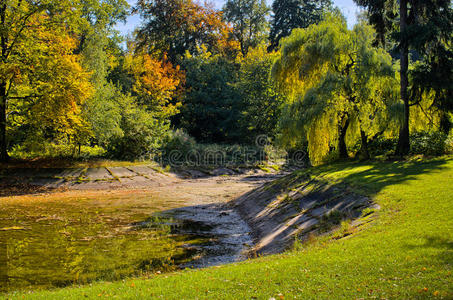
x: 55, y: 244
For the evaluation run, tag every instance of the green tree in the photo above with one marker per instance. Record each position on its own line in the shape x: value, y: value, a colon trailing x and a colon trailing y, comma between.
x: 132, y: 122
x: 337, y: 82
x: 211, y: 105
x: 97, y: 19
x: 141, y: 130
x: 98, y: 46
x: 415, y: 24
x: 290, y: 14
x: 101, y: 110
x: 249, y: 21
x: 261, y: 102
x: 434, y: 75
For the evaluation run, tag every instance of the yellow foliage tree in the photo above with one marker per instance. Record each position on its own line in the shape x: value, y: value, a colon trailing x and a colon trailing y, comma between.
x: 42, y: 83
x: 338, y: 84
x: 157, y: 84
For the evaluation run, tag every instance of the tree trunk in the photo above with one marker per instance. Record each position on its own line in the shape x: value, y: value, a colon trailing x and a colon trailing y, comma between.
x: 3, y: 153
x: 342, y: 149
x: 445, y: 124
x: 364, y: 153
x: 403, y: 146
x: 3, y: 92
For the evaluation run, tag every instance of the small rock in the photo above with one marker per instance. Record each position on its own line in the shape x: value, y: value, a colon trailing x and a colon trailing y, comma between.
x: 222, y: 171
x: 196, y: 173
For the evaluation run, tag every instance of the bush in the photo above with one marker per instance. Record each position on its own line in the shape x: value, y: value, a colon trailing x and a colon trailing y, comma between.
x: 449, y: 144
x: 142, y: 133
x: 428, y: 143
x: 180, y: 141
x: 181, y: 149
x: 54, y: 150
x: 382, y: 146
x: 432, y: 143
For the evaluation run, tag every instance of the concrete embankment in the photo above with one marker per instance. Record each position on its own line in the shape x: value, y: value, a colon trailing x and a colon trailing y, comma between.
x: 297, y: 206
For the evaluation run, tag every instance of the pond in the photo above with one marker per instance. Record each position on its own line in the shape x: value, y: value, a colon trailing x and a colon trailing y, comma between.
x: 55, y: 241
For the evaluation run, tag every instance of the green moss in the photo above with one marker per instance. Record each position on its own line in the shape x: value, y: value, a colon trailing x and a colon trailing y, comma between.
x: 330, y: 220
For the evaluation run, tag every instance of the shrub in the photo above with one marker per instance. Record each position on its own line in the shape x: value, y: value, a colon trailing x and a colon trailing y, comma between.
x: 382, y: 146
x: 142, y: 133
x: 428, y: 143
x: 54, y: 150
x: 432, y: 143
x: 180, y: 141
x: 179, y: 148
x: 449, y: 144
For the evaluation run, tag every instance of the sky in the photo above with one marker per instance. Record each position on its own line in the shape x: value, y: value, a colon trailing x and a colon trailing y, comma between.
x: 348, y: 8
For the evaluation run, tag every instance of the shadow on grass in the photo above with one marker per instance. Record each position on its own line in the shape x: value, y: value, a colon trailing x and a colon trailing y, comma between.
x: 436, y: 242
x: 317, y: 200
x: 445, y: 256
x: 379, y: 175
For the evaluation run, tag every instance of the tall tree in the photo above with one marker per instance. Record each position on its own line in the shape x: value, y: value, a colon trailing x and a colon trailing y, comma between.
x: 173, y: 27
x: 100, y: 51
x: 432, y: 74
x: 249, y: 20
x: 290, y: 14
x: 261, y: 102
x: 98, y: 17
x: 336, y: 79
x: 34, y: 36
x: 211, y: 105
x: 415, y: 24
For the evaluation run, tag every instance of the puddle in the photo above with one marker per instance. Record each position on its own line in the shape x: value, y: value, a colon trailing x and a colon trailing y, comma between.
x: 51, y: 242
x: 225, y: 235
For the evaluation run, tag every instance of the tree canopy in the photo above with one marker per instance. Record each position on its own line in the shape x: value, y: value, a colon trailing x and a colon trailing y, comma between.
x: 173, y: 27
x: 249, y: 21
x: 337, y: 82
x: 424, y: 27
x: 291, y: 14
x: 42, y: 84
x: 295, y: 74
x: 211, y: 105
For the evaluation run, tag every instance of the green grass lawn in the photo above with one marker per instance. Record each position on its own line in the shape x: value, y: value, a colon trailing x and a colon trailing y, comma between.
x: 406, y: 253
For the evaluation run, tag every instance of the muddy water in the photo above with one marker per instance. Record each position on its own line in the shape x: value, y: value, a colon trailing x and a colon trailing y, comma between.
x: 72, y: 238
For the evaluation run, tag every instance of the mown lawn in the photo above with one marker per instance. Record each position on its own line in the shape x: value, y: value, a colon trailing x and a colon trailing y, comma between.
x: 406, y: 253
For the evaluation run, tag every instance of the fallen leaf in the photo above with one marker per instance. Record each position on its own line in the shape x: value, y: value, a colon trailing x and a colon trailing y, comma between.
x: 12, y: 228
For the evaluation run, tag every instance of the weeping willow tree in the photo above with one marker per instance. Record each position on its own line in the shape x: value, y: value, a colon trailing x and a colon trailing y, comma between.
x: 339, y: 84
